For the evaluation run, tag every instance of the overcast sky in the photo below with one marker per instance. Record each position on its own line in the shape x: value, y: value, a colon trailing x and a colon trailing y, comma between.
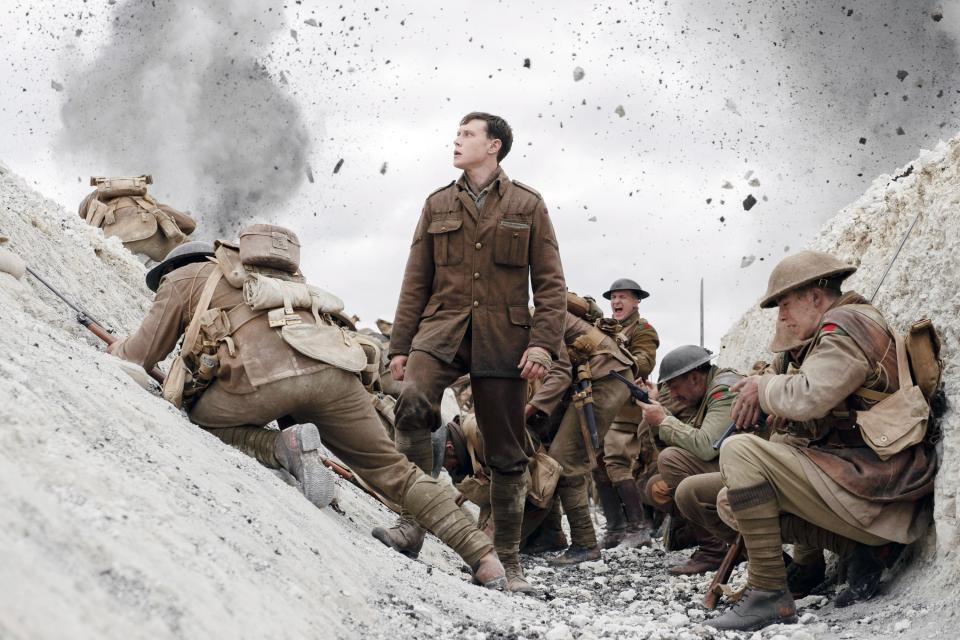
x: 684, y: 109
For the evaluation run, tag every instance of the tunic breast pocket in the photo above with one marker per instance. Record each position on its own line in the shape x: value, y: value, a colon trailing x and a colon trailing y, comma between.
x: 511, y: 244
x: 446, y: 231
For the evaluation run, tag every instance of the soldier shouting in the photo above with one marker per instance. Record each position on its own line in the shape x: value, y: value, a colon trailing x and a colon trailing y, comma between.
x: 481, y: 243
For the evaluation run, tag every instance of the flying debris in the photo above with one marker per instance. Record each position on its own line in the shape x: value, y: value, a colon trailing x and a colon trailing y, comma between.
x: 578, y: 74
x: 383, y: 169
x: 310, y: 174
x: 526, y: 63
x: 336, y: 169
x: 901, y: 75
x: 748, y: 202
x: 619, y: 110
x: 746, y: 261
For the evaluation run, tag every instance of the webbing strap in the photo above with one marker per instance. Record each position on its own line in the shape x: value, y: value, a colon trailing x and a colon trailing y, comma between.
x: 193, y: 330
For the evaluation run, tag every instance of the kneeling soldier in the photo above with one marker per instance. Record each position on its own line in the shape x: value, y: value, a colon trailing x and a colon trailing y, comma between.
x: 259, y: 346
x: 836, y: 493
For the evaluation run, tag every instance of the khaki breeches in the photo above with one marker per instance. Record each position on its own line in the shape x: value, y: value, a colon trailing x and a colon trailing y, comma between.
x: 336, y: 402
x: 748, y: 461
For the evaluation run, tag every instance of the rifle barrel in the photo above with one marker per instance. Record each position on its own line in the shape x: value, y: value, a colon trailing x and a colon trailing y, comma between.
x: 80, y: 311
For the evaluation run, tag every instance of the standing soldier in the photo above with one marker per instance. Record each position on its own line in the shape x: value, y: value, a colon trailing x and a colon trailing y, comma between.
x: 259, y: 346
x: 836, y: 493
x: 596, y: 353
x: 481, y: 243
x: 628, y: 439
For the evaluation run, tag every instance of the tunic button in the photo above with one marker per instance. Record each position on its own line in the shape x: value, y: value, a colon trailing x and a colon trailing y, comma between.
x: 476, y: 303
x: 516, y: 235
x: 479, y: 245
x: 476, y: 276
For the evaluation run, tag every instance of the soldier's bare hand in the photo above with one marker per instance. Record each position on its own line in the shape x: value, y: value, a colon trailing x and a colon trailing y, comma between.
x: 651, y: 388
x: 653, y: 413
x: 746, y: 408
x: 529, y: 411
x: 534, y: 363
x: 398, y: 364
x: 113, y: 346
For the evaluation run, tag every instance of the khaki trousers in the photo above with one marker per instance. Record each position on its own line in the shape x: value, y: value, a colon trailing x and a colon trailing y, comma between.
x: 620, y: 451
x: 498, y: 404
x: 696, y: 499
x: 336, y: 402
x: 675, y: 465
x: 748, y: 461
x: 568, y: 446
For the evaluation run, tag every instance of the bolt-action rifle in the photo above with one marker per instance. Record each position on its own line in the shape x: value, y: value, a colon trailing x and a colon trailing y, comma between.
x: 636, y: 392
x: 95, y: 327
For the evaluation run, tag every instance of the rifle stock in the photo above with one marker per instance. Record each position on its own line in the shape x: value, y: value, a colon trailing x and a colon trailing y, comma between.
x: 722, y: 576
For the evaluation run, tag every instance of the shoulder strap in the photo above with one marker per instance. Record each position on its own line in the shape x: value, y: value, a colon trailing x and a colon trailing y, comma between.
x: 193, y: 330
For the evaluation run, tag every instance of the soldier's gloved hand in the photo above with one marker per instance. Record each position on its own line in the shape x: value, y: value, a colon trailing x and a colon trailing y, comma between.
x: 398, y: 365
x: 746, y: 408
x: 534, y: 363
x: 653, y: 413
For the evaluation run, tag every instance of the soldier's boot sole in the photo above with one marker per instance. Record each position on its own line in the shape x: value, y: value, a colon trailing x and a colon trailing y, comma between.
x: 302, y: 459
x: 612, y: 539
x: 401, y: 542
x: 489, y: 573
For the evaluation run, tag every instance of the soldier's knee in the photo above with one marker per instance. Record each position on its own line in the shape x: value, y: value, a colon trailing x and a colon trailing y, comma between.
x: 735, y: 449
x: 670, y: 461
x: 685, y: 497
x: 416, y: 411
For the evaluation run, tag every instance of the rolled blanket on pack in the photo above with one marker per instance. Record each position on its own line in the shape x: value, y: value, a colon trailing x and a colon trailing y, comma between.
x: 263, y: 292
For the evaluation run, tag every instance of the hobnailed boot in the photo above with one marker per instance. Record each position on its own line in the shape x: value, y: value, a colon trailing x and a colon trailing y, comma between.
x: 297, y: 450
x: 708, y: 557
x: 637, y: 533
x: 576, y: 555
x: 613, y: 513
x: 756, y: 609
x: 802, y: 579
x: 508, y: 493
x: 866, y: 565
x: 434, y: 507
x: 406, y: 536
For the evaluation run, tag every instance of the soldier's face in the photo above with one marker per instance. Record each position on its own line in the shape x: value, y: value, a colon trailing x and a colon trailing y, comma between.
x: 800, y: 313
x: 623, y: 303
x: 689, y: 388
x: 472, y: 147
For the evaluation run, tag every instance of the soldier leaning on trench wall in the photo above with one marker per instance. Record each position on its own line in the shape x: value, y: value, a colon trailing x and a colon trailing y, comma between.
x: 306, y: 372
x: 481, y: 241
x: 836, y: 492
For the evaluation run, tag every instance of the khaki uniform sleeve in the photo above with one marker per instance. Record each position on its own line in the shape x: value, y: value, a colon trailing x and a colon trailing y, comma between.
x: 643, y: 347
x: 158, y: 333
x: 549, y: 395
x: 415, y: 290
x: 833, y: 370
x: 700, y: 441
x: 548, y: 285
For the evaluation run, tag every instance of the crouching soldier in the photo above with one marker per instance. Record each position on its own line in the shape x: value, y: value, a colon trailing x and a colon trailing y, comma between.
x: 464, y: 459
x: 695, y: 384
x: 837, y: 492
x: 596, y: 353
x: 259, y: 346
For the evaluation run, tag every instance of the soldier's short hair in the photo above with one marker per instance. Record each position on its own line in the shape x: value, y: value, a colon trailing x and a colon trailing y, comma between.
x: 497, y: 129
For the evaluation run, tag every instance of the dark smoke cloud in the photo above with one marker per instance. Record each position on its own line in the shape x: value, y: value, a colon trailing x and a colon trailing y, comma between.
x: 181, y: 90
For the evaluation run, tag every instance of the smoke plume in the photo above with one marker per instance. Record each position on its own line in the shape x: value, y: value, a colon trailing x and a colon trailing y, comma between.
x: 181, y: 90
